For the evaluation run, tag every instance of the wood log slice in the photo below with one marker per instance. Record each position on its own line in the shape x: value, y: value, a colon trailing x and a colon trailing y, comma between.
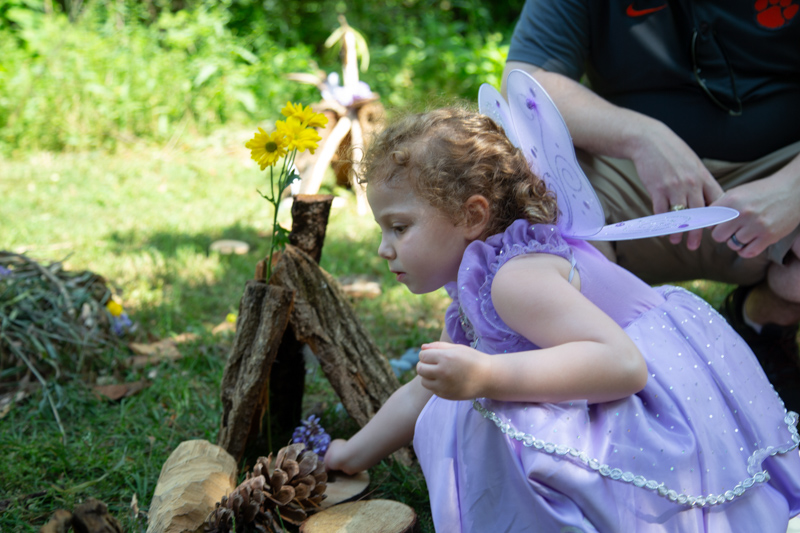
x: 342, y: 487
x: 193, y: 479
x: 367, y: 516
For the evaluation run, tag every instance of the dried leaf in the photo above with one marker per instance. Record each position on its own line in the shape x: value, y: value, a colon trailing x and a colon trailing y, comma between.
x: 120, y: 390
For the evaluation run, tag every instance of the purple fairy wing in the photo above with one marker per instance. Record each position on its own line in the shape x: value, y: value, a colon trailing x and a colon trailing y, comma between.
x: 546, y: 142
x: 665, y: 223
x: 492, y: 104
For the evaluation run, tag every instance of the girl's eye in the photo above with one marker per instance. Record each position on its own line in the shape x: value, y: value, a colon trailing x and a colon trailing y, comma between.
x: 399, y: 229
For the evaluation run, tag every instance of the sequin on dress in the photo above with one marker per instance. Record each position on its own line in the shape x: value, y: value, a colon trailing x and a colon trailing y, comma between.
x: 706, y: 446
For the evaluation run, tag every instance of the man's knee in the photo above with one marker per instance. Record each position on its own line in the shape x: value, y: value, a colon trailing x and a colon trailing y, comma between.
x: 784, y: 278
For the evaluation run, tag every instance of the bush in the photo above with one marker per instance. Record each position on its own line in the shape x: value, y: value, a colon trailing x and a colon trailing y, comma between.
x: 96, y: 82
x: 124, y: 70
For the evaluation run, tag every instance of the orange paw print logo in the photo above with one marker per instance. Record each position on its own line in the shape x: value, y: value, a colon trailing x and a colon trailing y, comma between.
x: 773, y: 14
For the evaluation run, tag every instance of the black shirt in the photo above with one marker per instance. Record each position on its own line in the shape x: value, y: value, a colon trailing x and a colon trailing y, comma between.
x: 643, y: 55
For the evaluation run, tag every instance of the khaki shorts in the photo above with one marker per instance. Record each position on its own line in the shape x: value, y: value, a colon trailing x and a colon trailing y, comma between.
x: 656, y: 260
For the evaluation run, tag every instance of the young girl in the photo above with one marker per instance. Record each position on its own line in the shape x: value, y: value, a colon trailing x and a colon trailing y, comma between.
x: 602, y: 404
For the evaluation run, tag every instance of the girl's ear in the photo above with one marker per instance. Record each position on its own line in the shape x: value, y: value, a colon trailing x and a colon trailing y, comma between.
x: 478, y: 214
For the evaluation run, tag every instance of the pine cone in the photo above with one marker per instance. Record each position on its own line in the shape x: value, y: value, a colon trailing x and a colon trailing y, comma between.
x: 293, y: 491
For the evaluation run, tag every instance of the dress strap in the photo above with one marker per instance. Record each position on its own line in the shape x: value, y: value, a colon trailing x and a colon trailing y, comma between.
x: 572, y: 262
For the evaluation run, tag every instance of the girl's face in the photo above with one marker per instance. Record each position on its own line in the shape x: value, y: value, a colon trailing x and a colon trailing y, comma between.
x: 423, y: 246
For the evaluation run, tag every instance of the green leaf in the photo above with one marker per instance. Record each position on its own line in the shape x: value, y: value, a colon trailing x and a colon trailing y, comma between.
x: 246, y: 55
x: 206, y: 72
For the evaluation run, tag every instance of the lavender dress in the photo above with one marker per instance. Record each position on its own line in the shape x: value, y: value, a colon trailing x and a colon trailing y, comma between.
x: 706, y: 446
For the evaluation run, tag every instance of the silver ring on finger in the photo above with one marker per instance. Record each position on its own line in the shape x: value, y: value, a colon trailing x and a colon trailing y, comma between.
x: 678, y: 207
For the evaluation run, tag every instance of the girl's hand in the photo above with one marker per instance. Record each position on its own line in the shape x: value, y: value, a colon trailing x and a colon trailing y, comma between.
x: 334, y: 457
x: 453, y: 371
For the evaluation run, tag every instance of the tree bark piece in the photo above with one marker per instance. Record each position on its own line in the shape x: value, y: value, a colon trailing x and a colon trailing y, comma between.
x: 368, y: 516
x: 287, y: 379
x: 193, y: 479
x: 287, y: 376
x: 323, y: 318
x: 309, y: 222
x: 264, y: 312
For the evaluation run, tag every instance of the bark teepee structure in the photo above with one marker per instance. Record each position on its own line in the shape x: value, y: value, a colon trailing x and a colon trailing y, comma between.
x: 300, y: 304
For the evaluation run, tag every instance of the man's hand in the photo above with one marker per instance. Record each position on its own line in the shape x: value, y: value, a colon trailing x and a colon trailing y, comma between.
x: 453, y: 371
x: 674, y: 176
x: 767, y: 213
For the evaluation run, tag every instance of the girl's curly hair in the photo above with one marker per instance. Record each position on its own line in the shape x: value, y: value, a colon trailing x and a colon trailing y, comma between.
x: 451, y: 154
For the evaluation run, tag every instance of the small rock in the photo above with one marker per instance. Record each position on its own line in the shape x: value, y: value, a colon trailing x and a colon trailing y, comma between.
x: 360, y: 287
x: 228, y: 247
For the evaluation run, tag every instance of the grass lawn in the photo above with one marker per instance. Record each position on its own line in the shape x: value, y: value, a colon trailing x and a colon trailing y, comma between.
x: 144, y: 219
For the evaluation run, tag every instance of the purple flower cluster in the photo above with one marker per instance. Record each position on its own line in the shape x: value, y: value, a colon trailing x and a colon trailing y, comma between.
x: 312, y: 435
x: 4, y: 272
x: 121, y: 324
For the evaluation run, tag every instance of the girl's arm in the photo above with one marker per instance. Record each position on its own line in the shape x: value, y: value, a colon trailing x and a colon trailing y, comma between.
x: 391, y: 428
x: 584, y: 355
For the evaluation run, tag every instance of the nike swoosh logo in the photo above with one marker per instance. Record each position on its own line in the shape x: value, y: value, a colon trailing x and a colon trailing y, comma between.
x: 633, y: 12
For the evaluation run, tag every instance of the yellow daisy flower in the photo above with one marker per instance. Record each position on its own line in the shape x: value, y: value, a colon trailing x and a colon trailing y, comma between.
x: 297, y: 135
x: 267, y: 148
x: 114, y: 308
x: 305, y: 115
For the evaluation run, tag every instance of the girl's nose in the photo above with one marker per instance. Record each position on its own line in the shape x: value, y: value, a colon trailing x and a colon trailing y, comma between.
x: 385, y: 251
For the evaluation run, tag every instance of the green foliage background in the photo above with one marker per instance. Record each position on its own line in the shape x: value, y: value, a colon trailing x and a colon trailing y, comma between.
x: 82, y: 75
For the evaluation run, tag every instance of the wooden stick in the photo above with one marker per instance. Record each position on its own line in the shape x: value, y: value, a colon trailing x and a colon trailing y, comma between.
x: 357, y: 150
